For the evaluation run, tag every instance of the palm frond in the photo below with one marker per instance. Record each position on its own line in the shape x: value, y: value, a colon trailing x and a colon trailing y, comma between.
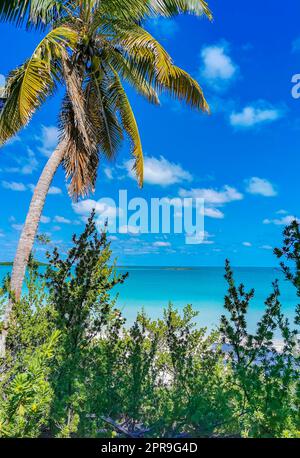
x: 182, y: 86
x: 142, y: 46
x: 81, y: 159
x: 152, y: 62
x: 80, y: 164
x: 130, y: 125
x: 102, y: 110
x: 33, y: 12
x: 29, y: 85
x: 134, y: 74
x: 174, y: 7
x: 74, y: 79
x: 129, y: 10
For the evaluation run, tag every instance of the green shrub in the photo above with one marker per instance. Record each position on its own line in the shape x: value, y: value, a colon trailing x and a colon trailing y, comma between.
x: 75, y: 369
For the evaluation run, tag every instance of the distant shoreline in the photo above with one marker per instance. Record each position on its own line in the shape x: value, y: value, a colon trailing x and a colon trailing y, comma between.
x: 10, y: 264
x: 187, y: 268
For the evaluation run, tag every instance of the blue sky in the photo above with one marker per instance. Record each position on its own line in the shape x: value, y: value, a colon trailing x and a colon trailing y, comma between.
x: 243, y: 158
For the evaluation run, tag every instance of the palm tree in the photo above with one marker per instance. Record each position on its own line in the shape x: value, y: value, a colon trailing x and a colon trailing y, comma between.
x: 91, y: 47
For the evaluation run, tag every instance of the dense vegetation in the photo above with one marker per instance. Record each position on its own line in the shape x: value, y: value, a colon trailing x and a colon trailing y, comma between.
x: 73, y: 368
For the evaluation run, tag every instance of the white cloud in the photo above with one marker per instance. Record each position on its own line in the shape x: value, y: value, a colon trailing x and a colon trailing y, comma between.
x: 161, y: 244
x: 260, y: 186
x: 213, y: 213
x: 254, y: 115
x: 266, y: 247
x: 85, y: 207
x: 17, y: 227
x: 26, y: 164
x: 2, y: 80
x: 247, y: 244
x: 54, y: 190
x: 45, y: 219
x: 113, y: 238
x: 284, y: 221
x: 48, y: 139
x: 281, y: 212
x: 62, y: 220
x: 160, y: 171
x: 31, y: 164
x: 218, y: 68
x: 31, y: 186
x: 1, y: 234
x: 14, y: 186
x: 18, y: 186
x: 103, y: 210
x: 108, y: 173
x: 213, y: 196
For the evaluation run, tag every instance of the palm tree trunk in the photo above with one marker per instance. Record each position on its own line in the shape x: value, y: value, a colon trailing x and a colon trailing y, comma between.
x: 28, y: 235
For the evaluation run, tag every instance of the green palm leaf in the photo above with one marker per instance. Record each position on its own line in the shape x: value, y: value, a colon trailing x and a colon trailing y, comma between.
x: 103, y: 112
x: 33, y: 12
x: 130, y: 125
x: 174, y: 7
x: 153, y: 63
x: 30, y: 85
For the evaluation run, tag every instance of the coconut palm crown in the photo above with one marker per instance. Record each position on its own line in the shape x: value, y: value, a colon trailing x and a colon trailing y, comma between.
x: 92, y: 47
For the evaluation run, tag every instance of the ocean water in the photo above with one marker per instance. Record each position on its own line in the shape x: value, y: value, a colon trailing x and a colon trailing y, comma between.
x: 152, y: 288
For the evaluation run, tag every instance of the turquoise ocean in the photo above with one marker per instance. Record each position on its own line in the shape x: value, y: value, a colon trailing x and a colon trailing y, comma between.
x: 152, y: 288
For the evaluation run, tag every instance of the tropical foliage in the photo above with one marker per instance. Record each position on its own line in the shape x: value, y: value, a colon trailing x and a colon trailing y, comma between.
x: 75, y: 369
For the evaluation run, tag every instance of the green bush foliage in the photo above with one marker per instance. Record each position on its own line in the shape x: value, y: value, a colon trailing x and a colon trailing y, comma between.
x: 74, y: 368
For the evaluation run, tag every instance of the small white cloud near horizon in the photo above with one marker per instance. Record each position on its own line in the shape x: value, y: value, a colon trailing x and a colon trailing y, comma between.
x: 218, y: 69
x: 14, y: 186
x: 113, y: 238
x: 54, y: 190
x: 255, y: 115
x: 260, y: 186
x: 284, y: 221
x: 247, y: 244
x: 49, y: 139
x: 266, y: 247
x: 161, y: 244
x: 2, y: 80
x: 45, y: 219
x: 160, y: 171
x: 62, y: 220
